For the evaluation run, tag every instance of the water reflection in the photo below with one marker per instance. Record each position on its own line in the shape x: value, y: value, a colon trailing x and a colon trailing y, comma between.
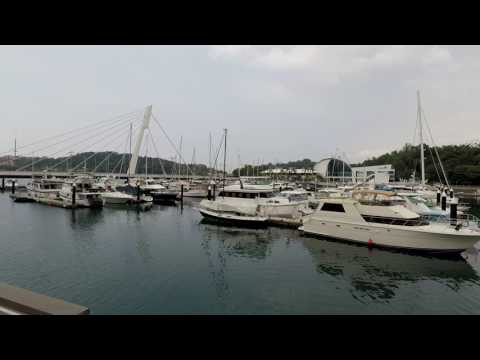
x: 126, y: 207
x: 216, y: 272
x: 251, y: 243
x: 220, y: 243
x: 376, y: 274
x: 85, y: 219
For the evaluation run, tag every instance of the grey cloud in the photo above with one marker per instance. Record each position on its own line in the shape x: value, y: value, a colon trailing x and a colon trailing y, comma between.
x: 280, y: 103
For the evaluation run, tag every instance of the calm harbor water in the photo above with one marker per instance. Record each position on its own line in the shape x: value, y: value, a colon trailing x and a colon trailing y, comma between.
x: 168, y: 261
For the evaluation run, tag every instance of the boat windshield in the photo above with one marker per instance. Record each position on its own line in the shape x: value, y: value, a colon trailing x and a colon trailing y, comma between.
x: 246, y: 194
x: 294, y: 196
x: 378, y: 198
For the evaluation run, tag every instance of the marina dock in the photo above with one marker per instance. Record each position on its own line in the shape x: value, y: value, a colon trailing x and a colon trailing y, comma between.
x: 17, y: 301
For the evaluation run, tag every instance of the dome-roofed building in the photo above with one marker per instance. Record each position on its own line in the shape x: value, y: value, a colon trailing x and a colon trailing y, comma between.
x: 333, y: 169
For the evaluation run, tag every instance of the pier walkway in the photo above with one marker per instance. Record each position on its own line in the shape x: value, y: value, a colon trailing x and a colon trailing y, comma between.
x: 17, y: 301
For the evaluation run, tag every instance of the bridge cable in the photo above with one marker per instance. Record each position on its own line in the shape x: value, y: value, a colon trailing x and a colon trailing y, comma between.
x: 114, y: 119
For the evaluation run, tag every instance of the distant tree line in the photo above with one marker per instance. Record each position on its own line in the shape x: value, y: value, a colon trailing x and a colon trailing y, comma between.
x: 461, y: 163
x: 105, y: 162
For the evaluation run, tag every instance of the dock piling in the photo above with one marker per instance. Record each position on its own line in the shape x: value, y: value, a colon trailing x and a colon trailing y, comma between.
x: 13, y: 186
x: 453, y: 212
x: 444, y: 201
x: 3, y: 184
x: 74, y: 195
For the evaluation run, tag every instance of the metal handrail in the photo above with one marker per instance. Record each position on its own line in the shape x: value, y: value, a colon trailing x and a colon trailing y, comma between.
x: 465, y: 220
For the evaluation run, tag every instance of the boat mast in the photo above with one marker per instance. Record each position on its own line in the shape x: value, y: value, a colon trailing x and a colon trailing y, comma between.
x: 146, y: 122
x: 209, y: 157
x: 146, y: 158
x: 224, y: 160
x: 179, y: 162
x: 422, y: 158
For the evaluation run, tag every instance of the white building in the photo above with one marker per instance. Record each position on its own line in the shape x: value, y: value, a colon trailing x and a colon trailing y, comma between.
x: 338, y: 170
x: 381, y: 173
x: 333, y: 169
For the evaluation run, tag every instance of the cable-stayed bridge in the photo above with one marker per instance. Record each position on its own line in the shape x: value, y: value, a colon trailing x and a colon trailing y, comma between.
x: 128, y: 135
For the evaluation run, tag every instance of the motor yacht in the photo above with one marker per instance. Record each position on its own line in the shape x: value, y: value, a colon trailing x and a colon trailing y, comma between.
x: 257, y: 203
x: 41, y: 189
x: 87, y: 193
x: 380, y: 219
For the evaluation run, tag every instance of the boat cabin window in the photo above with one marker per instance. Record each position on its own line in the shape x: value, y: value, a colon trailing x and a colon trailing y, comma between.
x: 245, y: 195
x: 332, y: 207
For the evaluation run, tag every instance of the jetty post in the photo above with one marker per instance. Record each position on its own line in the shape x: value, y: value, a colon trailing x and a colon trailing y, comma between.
x: 444, y: 201
x: 74, y: 195
x: 453, y: 212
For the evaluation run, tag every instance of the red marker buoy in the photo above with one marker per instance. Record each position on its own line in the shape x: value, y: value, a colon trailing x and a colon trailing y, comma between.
x: 370, y: 242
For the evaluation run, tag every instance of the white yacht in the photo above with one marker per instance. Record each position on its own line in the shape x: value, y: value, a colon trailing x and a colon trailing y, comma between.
x: 40, y: 189
x: 117, y: 198
x: 87, y: 194
x: 147, y: 184
x: 8, y: 185
x: 330, y: 193
x: 379, y: 218
x: 135, y: 195
x: 110, y: 194
x: 254, y: 204
x: 195, y: 190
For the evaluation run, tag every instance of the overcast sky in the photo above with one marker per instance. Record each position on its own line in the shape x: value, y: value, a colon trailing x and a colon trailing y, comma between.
x: 279, y: 103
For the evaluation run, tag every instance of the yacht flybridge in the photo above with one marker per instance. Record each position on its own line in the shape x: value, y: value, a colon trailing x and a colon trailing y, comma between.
x: 379, y: 218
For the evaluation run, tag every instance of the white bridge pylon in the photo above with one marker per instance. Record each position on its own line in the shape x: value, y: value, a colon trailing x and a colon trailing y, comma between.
x: 146, y: 123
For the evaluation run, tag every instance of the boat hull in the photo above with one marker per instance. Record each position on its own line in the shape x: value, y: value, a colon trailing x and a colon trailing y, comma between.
x: 195, y: 194
x: 163, y: 196
x: 400, y: 237
x: 250, y: 221
x: 116, y: 200
x: 82, y: 200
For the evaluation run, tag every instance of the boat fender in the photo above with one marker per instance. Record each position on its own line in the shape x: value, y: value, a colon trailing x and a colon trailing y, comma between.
x: 370, y: 242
